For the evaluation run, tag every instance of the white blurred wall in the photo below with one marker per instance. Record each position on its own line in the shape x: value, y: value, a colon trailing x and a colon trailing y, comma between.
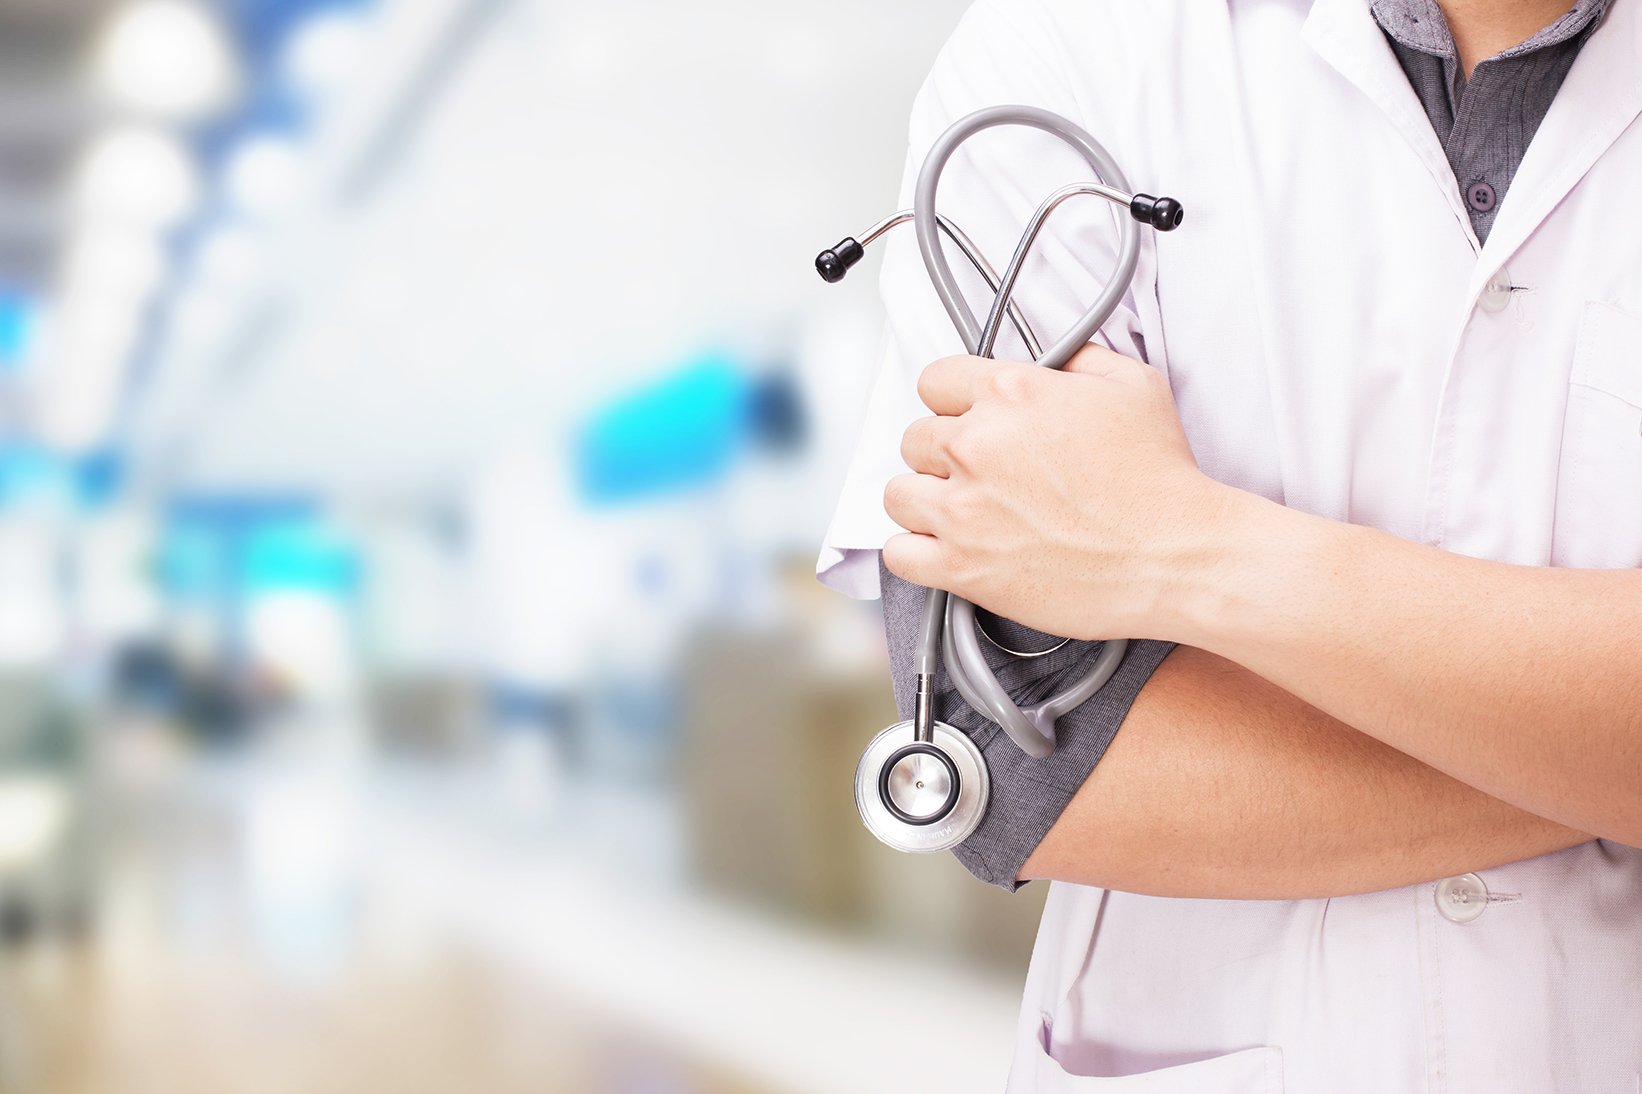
x: 584, y: 193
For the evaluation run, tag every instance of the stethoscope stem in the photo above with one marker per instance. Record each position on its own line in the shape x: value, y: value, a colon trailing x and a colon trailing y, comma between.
x: 929, y: 651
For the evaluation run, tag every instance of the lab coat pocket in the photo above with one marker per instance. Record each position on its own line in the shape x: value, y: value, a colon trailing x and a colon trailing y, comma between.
x: 1251, y: 1071
x: 1599, y: 482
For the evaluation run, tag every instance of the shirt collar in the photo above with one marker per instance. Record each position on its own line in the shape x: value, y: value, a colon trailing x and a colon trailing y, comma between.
x: 1419, y: 24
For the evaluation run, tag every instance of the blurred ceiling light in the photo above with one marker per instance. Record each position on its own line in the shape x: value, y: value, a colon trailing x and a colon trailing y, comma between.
x: 166, y: 57
x: 114, y: 262
x: 139, y: 177
x: 322, y: 51
x: 33, y: 810
x: 264, y: 175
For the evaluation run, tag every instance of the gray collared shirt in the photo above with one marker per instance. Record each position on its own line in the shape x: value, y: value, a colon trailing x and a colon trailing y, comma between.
x: 1486, y: 122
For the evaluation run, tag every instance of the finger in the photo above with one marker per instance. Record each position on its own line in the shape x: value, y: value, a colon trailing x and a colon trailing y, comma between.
x: 915, y: 558
x: 914, y: 502
x: 1097, y: 360
x: 924, y: 446
x: 951, y: 385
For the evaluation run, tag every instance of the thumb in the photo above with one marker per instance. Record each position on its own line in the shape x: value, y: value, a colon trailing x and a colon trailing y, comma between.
x: 1093, y: 360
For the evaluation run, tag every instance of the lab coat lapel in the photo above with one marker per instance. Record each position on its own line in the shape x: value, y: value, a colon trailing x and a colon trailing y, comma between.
x: 1598, y: 101
x: 1344, y: 33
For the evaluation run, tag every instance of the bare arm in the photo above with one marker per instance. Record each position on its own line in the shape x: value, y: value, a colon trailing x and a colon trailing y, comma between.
x: 1223, y: 785
x: 1071, y: 502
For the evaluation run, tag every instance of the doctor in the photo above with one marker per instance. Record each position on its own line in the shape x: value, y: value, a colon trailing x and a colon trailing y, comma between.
x: 1370, y: 451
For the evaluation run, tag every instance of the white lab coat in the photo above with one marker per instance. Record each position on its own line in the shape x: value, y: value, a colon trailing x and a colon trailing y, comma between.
x: 1324, y: 319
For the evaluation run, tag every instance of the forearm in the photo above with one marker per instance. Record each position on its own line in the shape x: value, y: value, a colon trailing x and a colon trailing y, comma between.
x: 1525, y: 682
x: 1223, y: 785
x: 1071, y: 501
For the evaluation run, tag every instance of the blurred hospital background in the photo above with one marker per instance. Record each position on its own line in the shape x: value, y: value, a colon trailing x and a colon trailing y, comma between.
x: 418, y: 419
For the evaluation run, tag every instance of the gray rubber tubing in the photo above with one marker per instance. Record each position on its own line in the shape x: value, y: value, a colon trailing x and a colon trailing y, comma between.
x: 1032, y: 729
x: 929, y: 243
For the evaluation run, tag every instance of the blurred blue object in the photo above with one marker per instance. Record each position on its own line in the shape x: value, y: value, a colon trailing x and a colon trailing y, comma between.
x: 28, y: 471
x: 680, y: 433
x: 194, y: 561
x: 775, y: 413
x: 209, y: 549
x: 17, y: 313
x: 98, y: 477
x: 300, y: 554
x: 31, y: 474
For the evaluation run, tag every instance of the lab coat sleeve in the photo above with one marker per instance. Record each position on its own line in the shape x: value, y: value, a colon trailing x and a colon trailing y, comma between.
x: 1004, y: 51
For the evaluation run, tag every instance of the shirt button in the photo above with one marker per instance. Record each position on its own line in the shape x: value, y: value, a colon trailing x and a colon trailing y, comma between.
x: 1480, y: 195
x: 1461, y: 899
x: 1497, y: 293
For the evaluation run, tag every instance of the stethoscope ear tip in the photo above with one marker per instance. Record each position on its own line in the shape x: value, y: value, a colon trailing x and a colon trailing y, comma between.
x: 1164, y: 214
x: 833, y: 263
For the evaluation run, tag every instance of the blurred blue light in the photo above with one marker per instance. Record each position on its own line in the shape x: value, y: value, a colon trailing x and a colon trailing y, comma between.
x: 220, y: 548
x: 98, y: 477
x: 298, y: 555
x: 678, y: 434
x: 262, y: 26
x: 17, y: 313
x: 194, y: 561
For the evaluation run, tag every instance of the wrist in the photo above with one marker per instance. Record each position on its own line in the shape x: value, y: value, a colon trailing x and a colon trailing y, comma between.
x: 1228, y: 579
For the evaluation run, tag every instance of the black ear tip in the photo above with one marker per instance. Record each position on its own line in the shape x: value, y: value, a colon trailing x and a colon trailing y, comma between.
x: 834, y: 262
x: 1167, y: 214
x: 828, y: 265
x: 1164, y: 214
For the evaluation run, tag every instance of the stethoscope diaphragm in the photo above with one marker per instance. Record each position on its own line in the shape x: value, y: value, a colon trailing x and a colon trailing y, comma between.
x: 922, y: 796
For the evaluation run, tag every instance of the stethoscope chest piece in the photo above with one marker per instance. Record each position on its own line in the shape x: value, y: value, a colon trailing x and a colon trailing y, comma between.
x: 921, y: 796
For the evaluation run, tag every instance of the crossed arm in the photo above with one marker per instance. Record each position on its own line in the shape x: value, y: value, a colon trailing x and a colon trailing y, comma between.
x: 1349, y: 711
x: 1222, y: 784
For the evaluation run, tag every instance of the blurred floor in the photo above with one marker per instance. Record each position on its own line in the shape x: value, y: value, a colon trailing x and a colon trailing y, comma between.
x: 76, y: 1021
x: 287, y: 921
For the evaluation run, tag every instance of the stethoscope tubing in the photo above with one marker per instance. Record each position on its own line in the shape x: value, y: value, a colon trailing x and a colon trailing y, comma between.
x: 940, y: 271
x: 949, y: 620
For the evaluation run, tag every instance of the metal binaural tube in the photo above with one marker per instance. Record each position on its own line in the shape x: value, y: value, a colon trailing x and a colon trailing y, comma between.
x: 835, y: 261
x: 1004, y: 294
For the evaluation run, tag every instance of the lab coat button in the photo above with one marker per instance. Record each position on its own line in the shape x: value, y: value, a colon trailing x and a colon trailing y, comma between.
x: 1497, y: 293
x: 1480, y: 195
x: 1462, y: 899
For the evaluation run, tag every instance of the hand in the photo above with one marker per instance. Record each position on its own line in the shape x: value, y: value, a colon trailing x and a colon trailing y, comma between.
x: 1068, y: 501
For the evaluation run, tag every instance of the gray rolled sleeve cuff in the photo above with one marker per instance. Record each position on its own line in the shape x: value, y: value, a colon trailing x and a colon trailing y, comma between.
x: 1028, y: 795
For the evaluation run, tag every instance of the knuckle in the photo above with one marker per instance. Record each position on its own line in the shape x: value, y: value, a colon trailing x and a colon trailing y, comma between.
x: 912, y: 441
x: 1009, y: 385
x: 895, y: 495
x: 964, y: 447
x: 896, y: 559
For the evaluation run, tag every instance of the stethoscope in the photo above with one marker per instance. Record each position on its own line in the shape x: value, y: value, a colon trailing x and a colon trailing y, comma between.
x: 922, y: 785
